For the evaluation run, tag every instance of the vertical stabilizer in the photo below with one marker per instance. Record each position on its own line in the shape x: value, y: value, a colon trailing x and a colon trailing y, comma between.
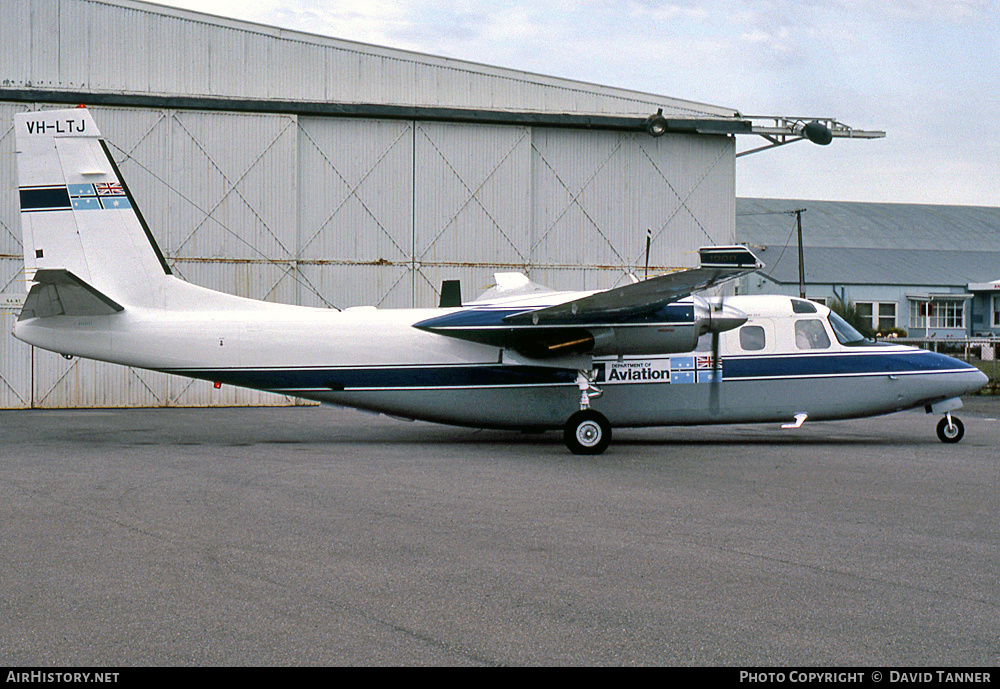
x: 77, y: 213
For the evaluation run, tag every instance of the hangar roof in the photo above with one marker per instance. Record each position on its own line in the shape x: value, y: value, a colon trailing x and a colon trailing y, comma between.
x: 134, y: 47
x: 873, y: 243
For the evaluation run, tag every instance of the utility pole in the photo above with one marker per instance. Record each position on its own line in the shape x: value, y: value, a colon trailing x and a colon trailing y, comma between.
x: 802, y: 266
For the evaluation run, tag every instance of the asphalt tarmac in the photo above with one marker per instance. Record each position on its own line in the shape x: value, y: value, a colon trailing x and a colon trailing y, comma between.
x: 307, y: 535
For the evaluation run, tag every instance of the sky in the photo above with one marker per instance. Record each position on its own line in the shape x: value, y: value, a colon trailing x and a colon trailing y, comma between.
x: 927, y: 72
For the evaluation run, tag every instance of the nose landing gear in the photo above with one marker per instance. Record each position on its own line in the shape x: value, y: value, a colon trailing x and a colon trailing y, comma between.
x: 950, y: 429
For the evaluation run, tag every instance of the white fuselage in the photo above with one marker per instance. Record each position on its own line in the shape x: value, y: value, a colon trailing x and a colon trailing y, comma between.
x: 375, y: 359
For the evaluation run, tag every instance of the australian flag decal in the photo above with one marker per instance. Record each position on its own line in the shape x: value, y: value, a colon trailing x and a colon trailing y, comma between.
x: 103, y: 195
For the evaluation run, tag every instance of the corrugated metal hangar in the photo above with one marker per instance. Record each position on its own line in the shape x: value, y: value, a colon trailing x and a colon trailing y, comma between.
x: 310, y: 170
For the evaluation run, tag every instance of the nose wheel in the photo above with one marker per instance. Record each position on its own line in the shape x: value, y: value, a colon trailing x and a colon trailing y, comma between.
x: 950, y: 429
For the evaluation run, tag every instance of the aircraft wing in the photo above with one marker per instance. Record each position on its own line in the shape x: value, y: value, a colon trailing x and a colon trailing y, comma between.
x: 58, y: 292
x: 718, y: 265
x: 572, y: 326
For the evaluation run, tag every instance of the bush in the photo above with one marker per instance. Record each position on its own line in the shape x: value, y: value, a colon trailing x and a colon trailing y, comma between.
x: 849, y: 312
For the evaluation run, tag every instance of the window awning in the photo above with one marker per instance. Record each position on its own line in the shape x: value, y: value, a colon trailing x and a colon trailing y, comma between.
x: 938, y: 297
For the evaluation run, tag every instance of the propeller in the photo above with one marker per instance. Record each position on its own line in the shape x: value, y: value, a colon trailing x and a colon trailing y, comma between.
x: 713, y: 391
x: 719, y: 316
x: 715, y: 316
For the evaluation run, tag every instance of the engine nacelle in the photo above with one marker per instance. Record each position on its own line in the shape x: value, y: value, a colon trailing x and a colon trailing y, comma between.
x: 665, y: 338
x: 673, y: 328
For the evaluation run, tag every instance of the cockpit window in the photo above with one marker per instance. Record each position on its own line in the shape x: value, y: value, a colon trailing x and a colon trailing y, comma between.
x: 752, y: 338
x: 803, y: 306
x: 810, y: 334
x: 845, y: 332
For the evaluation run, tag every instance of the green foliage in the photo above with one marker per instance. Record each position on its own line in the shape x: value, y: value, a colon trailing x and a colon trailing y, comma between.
x: 849, y: 312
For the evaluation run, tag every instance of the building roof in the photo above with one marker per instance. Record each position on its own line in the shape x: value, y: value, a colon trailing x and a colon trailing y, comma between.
x: 873, y: 243
x: 134, y: 47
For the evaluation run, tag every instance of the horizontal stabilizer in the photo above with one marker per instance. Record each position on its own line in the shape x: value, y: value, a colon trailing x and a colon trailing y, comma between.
x: 57, y: 292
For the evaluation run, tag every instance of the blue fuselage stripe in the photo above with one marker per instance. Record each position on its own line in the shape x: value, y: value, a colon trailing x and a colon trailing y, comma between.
x: 499, y: 375
x: 496, y: 375
x: 783, y: 366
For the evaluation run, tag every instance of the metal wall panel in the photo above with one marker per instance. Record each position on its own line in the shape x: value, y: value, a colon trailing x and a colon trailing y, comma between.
x: 356, y: 206
x: 10, y: 223
x: 131, y: 46
x: 346, y: 285
x: 597, y: 193
x: 15, y: 356
x: 60, y: 383
x: 472, y: 199
x: 234, y: 178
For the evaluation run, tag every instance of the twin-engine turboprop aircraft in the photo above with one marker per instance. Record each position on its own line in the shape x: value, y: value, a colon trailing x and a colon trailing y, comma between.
x: 652, y: 353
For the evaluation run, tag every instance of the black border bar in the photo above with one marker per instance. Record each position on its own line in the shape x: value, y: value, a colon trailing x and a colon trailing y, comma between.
x: 710, y: 126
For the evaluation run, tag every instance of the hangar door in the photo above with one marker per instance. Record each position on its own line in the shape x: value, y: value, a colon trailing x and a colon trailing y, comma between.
x: 335, y: 212
x: 390, y: 209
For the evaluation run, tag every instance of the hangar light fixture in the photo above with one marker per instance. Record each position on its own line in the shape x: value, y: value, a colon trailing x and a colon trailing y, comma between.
x: 656, y: 124
x: 779, y: 130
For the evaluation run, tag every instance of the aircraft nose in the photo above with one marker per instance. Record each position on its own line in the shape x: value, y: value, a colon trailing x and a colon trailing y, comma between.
x: 981, y: 380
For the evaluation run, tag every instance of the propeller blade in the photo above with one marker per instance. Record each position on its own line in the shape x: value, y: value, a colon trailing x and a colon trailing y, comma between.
x: 713, y: 394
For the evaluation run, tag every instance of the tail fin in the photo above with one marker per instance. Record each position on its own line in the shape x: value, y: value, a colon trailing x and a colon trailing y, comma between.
x: 77, y: 214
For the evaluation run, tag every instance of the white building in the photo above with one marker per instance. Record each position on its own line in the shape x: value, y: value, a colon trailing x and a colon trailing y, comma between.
x: 932, y: 271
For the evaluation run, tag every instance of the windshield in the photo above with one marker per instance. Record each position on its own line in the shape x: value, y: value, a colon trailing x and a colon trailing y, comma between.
x: 845, y: 332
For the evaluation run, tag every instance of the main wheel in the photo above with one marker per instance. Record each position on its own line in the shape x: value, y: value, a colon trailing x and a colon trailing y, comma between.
x: 950, y: 433
x: 587, y: 433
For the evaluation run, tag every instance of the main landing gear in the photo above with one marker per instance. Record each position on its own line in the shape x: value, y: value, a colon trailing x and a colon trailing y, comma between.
x: 587, y: 432
x: 950, y: 429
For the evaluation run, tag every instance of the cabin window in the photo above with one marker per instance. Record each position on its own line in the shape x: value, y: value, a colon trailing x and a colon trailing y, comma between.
x: 752, y: 338
x: 810, y: 334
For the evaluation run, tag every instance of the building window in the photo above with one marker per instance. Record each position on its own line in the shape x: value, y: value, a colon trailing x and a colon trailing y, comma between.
x: 996, y: 310
x: 938, y: 314
x: 879, y: 315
